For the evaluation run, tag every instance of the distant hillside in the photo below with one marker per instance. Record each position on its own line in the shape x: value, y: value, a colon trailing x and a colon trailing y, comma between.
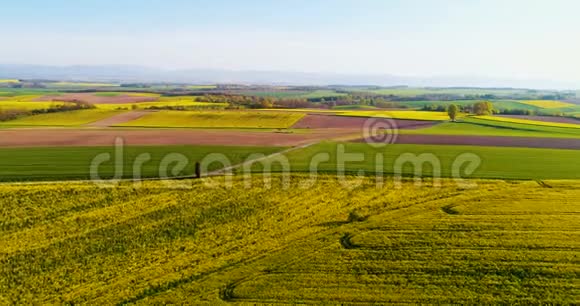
x: 121, y: 73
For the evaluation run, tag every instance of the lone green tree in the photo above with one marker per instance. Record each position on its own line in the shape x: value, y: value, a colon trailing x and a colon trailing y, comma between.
x: 452, y: 111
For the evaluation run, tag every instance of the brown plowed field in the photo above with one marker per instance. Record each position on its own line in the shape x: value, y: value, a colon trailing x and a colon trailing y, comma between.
x: 105, y: 137
x: 92, y: 99
x: 313, y: 121
x: 99, y: 137
x: 492, y: 141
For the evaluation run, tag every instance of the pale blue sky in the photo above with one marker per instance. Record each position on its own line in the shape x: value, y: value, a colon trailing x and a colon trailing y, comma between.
x: 490, y: 38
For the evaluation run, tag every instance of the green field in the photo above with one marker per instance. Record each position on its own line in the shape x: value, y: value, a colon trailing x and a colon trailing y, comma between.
x: 201, y: 87
x: 22, y: 164
x: 413, y: 92
x: 79, y: 84
x: 503, y: 242
x: 496, y: 162
x: 14, y: 92
x: 30, y: 97
x: 71, y: 118
x: 467, y: 128
x: 535, y: 126
x: 529, y: 122
x: 68, y: 163
x: 355, y: 106
x: 566, y: 111
x: 217, y: 119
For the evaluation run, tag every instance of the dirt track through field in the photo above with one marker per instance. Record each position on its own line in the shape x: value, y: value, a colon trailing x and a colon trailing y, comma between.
x: 106, y: 137
x: 492, y: 141
x: 120, y: 118
x: 229, y: 170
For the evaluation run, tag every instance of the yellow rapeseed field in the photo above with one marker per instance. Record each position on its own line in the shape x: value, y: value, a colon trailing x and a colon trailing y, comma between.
x: 546, y: 103
x: 217, y: 119
x: 338, y: 242
x: 71, y: 118
x: 409, y: 115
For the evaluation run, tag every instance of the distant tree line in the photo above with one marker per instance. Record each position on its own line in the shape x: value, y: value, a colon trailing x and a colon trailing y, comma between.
x: 12, y: 114
x: 487, y: 108
x: 358, y: 99
x: 186, y: 107
x: 241, y: 101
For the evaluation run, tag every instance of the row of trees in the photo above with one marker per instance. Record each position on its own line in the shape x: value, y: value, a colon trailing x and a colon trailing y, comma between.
x: 359, y: 99
x: 12, y: 114
x: 479, y: 108
x: 486, y: 108
x: 238, y: 101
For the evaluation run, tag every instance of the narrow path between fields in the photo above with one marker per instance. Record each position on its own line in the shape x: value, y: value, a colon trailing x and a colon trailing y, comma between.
x: 119, y: 119
x: 250, y: 162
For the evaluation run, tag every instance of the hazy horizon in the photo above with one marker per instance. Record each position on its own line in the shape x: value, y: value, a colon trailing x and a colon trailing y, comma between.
x: 524, y: 40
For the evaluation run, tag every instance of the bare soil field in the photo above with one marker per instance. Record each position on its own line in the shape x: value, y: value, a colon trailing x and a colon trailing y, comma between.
x: 105, y: 137
x: 119, y: 119
x: 492, y: 141
x: 98, y: 137
x: 92, y: 99
x: 545, y: 118
x: 319, y: 121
